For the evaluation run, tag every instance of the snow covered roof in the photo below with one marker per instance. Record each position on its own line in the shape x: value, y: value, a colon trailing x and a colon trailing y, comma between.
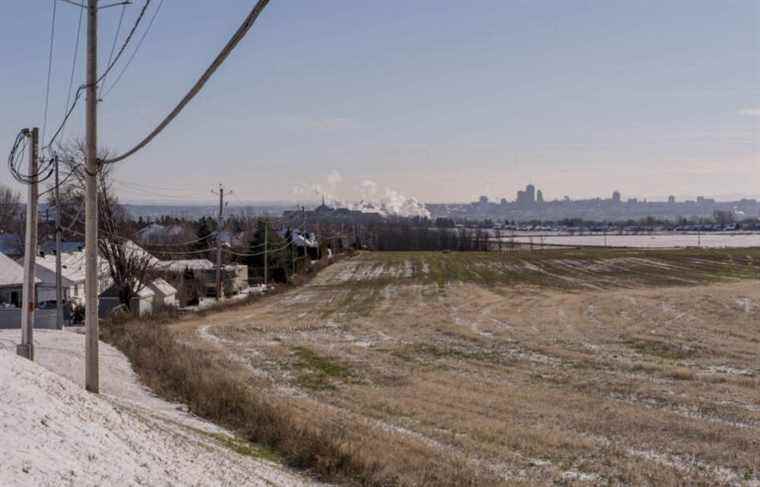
x: 182, y: 265
x: 11, y: 273
x: 73, y: 265
x: 163, y: 287
x: 146, y: 292
x: 305, y: 240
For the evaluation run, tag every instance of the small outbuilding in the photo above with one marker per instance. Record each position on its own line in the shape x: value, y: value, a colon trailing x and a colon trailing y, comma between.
x: 164, y: 293
x: 141, y: 304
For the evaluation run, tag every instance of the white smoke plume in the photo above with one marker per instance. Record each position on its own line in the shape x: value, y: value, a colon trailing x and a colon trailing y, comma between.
x: 334, y: 178
x: 390, y: 203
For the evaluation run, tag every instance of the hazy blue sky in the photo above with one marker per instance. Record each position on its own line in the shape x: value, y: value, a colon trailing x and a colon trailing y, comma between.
x: 443, y: 100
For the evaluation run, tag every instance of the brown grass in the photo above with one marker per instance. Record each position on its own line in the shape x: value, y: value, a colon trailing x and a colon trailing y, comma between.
x: 434, y: 369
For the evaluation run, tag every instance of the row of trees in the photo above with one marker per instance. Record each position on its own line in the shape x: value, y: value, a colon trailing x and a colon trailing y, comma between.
x: 391, y: 236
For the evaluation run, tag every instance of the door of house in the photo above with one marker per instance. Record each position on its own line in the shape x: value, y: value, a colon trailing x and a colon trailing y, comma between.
x: 16, y: 299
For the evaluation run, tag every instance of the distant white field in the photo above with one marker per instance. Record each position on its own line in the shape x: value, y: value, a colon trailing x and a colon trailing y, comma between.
x: 661, y: 241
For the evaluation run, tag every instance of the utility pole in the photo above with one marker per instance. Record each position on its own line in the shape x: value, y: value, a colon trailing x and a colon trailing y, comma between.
x: 266, y: 254
x: 219, y: 223
x: 92, y: 371
x: 26, y: 349
x: 58, y: 266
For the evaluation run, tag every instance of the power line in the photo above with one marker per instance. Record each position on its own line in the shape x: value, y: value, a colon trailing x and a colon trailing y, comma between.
x: 49, y: 70
x: 75, y: 57
x: 241, y: 254
x: 108, y: 69
x: 137, y: 48
x: 124, y: 45
x: 218, y: 61
x: 116, y: 34
x: 41, y: 173
x: 153, y: 191
x: 61, y: 184
x: 127, y: 188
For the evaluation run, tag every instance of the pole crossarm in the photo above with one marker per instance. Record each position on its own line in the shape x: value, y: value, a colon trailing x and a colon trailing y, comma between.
x: 114, y: 4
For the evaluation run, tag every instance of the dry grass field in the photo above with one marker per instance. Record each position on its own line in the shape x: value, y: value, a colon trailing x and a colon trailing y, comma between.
x: 569, y: 366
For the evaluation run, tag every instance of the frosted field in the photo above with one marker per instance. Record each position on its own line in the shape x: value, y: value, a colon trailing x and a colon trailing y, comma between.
x: 720, y: 240
x: 560, y: 367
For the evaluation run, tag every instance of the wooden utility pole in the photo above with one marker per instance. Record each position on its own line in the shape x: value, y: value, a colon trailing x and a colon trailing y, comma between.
x: 219, y: 223
x: 58, y: 264
x: 266, y: 252
x: 92, y: 371
x: 26, y: 349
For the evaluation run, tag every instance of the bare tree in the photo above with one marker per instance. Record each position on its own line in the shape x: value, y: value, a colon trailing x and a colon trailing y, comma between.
x: 130, y: 267
x: 11, y: 221
x: 10, y: 209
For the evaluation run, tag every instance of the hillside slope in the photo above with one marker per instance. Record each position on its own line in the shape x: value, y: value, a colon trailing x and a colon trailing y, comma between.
x: 54, y: 433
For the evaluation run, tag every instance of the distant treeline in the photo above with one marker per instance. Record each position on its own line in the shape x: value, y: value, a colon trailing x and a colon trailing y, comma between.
x: 411, y: 237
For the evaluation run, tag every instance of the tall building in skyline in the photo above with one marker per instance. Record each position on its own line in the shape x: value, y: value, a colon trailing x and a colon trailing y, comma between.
x: 530, y: 193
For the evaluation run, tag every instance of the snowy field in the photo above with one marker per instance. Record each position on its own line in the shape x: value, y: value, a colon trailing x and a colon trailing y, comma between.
x: 719, y: 240
x: 563, y: 367
x: 55, y: 434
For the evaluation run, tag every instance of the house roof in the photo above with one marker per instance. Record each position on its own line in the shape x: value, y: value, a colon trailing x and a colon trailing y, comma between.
x: 73, y: 265
x: 163, y: 287
x: 11, y: 273
x: 146, y: 292
x: 182, y: 265
x: 302, y: 240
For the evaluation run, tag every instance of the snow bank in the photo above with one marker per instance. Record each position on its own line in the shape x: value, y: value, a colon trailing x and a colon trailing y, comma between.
x: 54, y: 433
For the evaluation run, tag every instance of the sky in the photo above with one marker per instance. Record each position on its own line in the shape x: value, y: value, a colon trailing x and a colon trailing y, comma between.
x: 439, y: 99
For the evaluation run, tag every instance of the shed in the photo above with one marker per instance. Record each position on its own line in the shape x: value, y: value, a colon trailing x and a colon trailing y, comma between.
x: 141, y: 304
x: 164, y: 293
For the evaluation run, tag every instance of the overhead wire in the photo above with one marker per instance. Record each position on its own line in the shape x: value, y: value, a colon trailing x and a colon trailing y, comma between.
x: 137, y: 48
x: 200, y: 83
x: 76, y: 219
x: 114, y: 61
x: 116, y: 33
x: 124, y: 45
x: 18, y: 150
x: 49, y: 70
x: 241, y: 254
x: 74, y: 60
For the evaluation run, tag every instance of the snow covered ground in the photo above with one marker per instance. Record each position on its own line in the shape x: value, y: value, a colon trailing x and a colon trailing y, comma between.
x: 675, y: 240
x: 53, y: 433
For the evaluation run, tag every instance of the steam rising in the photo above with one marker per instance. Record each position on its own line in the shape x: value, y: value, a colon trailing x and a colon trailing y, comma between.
x: 388, y: 203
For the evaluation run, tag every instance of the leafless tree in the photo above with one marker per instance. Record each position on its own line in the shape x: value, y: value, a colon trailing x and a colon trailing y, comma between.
x: 130, y: 266
x: 10, y: 210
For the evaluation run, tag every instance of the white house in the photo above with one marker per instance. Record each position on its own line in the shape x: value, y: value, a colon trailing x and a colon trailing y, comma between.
x: 46, y: 287
x: 11, y: 282
x: 73, y: 273
x: 11, y: 289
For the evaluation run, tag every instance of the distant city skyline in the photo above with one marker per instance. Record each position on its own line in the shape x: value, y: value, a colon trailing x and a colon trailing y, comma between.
x: 435, y: 99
